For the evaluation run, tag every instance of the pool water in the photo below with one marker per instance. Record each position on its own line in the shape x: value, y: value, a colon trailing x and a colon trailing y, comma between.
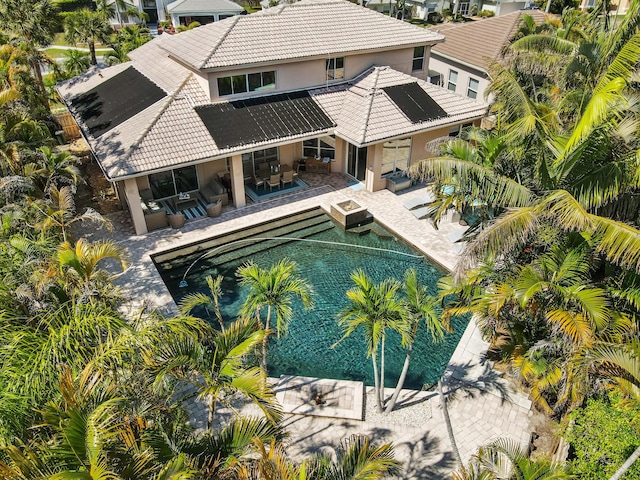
x: 309, y: 348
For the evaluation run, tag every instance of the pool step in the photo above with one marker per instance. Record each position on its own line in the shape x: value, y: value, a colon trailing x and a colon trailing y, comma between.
x: 288, y: 224
x: 245, y: 251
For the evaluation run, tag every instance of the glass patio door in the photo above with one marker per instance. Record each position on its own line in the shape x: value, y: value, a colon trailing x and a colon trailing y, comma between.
x: 357, y: 162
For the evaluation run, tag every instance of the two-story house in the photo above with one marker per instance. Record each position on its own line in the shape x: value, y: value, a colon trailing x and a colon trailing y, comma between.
x: 461, y: 63
x: 319, y: 78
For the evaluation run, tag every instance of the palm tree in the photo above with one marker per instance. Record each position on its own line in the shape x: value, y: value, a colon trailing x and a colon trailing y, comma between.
x: 59, y: 212
x: 57, y: 168
x: 211, y: 303
x: 87, y: 27
x: 75, y: 62
x: 216, y: 369
x: 274, y: 288
x: 504, y: 459
x: 31, y: 24
x: 80, y: 271
x: 421, y: 307
x: 374, y: 308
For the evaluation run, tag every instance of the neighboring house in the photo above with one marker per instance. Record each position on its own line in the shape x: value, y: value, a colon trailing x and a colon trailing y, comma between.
x: 319, y: 78
x: 422, y: 8
x: 617, y: 6
x: 461, y: 63
x: 184, y: 12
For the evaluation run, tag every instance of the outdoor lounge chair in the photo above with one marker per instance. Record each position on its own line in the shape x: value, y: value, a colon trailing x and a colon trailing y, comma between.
x: 274, y: 181
x: 421, y: 213
x: 420, y: 201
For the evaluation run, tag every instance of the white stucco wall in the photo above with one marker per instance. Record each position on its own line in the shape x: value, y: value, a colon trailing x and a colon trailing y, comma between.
x: 444, y: 66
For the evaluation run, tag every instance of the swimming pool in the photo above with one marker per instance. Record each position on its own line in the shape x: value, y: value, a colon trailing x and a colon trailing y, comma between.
x: 307, y: 348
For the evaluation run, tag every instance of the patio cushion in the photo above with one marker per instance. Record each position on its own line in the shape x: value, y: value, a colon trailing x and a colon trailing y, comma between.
x: 213, y: 191
x: 217, y: 188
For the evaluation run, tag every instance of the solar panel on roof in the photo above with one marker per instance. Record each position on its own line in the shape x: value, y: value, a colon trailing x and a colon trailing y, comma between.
x: 243, y: 122
x: 414, y: 102
x: 116, y: 100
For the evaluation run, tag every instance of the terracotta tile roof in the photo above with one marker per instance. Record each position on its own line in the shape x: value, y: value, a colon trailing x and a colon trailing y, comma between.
x: 365, y: 114
x: 292, y: 31
x: 480, y: 42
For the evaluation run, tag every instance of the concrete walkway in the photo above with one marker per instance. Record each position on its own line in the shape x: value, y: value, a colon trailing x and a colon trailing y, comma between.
x: 482, y: 404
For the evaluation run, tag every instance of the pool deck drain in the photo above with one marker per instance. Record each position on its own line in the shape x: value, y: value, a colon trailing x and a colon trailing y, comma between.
x: 321, y: 397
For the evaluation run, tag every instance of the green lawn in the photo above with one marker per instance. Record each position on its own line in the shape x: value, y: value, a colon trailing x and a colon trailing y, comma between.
x: 55, y: 53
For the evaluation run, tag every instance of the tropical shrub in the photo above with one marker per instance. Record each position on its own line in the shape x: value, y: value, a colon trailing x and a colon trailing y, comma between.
x: 486, y: 13
x: 602, y: 436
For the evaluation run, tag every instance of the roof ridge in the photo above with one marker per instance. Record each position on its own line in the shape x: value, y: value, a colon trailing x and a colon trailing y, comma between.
x: 171, y: 97
x: 232, y: 23
x: 372, y: 94
x: 511, y: 32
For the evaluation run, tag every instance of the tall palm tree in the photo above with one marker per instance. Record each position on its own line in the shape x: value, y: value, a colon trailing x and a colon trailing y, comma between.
x: 217, y: 369
x: 31, y: 24
x: 373, y: 308
x: 421, y: 307
x: 274, y: 288
x: 87, y: 27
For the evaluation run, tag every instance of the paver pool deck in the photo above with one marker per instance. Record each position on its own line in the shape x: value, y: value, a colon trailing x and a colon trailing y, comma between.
x: 482, y: 404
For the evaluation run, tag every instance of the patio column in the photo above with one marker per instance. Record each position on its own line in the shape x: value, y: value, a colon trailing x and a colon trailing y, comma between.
x: 237, y: 181
x: 135, y: 209
x: 373, y: 180
x: 161, y: 10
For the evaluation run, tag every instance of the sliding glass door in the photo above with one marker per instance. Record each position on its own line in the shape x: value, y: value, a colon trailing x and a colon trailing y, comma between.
x: 172, y: 182
x: 357, y: 162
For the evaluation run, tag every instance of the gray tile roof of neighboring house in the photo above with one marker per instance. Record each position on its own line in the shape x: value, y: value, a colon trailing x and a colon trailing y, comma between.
x: 309, y: 28
x: 365, y: 114
x: 480, y: 42
x: 203, y: 6
x: 171, y: 133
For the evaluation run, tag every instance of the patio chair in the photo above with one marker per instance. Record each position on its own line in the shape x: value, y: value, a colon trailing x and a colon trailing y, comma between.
x: 296, y: 168
x: 258, y: 181
x: 274, y: 181
x: 263, y: 172
x: 287, y: 177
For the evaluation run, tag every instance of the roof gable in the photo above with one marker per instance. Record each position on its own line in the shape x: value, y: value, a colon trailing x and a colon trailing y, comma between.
x: 309, y: 28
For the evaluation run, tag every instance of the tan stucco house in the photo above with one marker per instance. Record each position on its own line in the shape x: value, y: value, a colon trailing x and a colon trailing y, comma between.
x: 323, y: 79
x: 461, y: 63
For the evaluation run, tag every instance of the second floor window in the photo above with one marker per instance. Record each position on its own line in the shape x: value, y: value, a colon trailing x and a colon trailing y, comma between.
x: 453, y: 80
x: 472, y: 91
x: 253, y: 82
x: 335, y: 68
x: 418, y: 59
